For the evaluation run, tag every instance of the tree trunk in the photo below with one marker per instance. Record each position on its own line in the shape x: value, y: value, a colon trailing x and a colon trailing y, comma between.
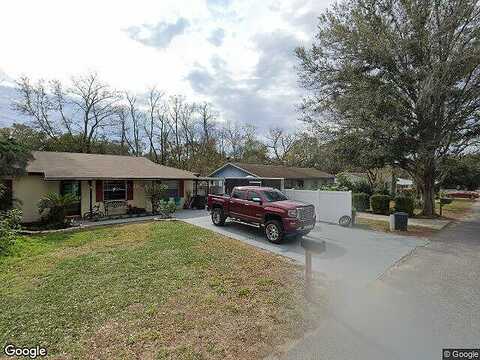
x: 428, y: 192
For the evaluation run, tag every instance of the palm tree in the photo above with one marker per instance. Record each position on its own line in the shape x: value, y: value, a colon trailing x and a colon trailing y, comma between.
x: 57, y: 206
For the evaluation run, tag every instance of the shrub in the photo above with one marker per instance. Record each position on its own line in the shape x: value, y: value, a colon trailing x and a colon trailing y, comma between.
x: 9, y: 228
x: 332, y: 187
x: 156, y: 192
x: 53, y: 207
x: 167, y: 208
x: 405, y: 204
x: 362, y: 186
x: 343, y: 181
x: 360, y: 201
x: 380, y: 204
x: 382, y: 189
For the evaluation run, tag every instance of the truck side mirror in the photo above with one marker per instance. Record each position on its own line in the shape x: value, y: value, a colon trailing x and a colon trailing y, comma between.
x: 257, y: 200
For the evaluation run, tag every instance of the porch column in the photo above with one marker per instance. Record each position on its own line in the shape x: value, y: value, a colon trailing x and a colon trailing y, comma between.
x: 90, y: 191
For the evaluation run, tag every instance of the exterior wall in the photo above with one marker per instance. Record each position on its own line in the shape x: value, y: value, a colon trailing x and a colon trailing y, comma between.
x: 188, y: 189
x: 139, y: 199
x: 85, y: 200
x: 230, y: 171
x: 28, y: 190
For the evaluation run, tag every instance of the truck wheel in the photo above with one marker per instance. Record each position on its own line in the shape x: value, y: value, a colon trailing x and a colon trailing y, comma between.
x: 218, y: 216
x: 274, y: 231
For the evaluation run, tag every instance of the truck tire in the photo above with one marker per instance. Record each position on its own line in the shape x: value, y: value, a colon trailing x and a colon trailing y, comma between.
x: 274, y: 231
x: 218, y: 216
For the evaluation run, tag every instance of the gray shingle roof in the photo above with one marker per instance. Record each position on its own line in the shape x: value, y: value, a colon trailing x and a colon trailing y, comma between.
x: 61, y: 165
x: 286, y: 172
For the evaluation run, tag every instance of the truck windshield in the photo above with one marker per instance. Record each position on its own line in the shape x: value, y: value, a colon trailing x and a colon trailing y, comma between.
x: 274, y: 195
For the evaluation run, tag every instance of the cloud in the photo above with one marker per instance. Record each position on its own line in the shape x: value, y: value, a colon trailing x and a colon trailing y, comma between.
x: 216, y: 37
x: 268, y: 97
x: 218, y: 3
x: 159, y: 35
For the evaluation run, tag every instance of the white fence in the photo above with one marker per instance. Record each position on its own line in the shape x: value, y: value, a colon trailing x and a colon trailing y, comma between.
x: 330, y: 206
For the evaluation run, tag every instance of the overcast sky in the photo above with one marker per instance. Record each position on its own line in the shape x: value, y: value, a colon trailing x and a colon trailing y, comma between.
x: 236, y: 54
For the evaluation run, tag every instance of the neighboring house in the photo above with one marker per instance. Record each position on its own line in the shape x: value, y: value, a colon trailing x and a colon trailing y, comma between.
x: 97, y: 180
x: 385, y: 177
x: 404, y: 184
x: 281, y: 177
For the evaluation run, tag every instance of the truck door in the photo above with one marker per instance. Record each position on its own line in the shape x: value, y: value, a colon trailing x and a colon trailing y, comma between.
x: 255, y: 208
x: 238, y: 204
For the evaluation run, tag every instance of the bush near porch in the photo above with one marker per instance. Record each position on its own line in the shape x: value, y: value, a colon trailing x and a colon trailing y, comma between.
x: 150, y: 290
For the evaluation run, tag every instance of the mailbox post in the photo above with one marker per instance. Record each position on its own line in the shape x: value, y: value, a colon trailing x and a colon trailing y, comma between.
x: 311, y: 247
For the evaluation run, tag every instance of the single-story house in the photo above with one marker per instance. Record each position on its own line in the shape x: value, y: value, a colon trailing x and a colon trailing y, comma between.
x: 278, y: 176
x: 97, y: 180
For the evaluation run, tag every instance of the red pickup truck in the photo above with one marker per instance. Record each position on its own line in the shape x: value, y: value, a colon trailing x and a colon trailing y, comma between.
x: 264, y: 206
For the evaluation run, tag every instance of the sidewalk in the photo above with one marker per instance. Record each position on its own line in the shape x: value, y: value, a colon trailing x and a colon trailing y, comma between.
x: 436, y: 224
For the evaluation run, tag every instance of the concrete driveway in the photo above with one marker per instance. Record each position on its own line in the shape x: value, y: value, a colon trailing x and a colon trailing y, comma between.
x: 353, y: 257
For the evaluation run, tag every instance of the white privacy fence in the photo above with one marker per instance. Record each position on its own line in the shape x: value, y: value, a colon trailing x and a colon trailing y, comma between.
x: 330, y: 206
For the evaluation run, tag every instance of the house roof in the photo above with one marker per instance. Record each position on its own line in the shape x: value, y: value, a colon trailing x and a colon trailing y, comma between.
x: 62, y: 165
x: 280, y: 171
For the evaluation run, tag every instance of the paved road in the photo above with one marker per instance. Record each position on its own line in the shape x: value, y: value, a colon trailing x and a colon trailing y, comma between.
x: 353, y: 257
x: 429, y: 301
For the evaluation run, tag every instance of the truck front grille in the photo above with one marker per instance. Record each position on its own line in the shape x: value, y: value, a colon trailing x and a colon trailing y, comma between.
x: 306, y: 213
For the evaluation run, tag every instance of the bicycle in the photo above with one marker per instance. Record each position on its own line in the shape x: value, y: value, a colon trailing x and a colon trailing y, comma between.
x: 93, y: 215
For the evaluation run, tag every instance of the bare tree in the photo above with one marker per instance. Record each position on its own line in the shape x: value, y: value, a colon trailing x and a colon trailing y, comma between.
x: 281, y: 143
x: 207, y: 116
x: 175, y: 112
x: 59, y: 102
x: 97, y: 104
x: 135, y: 116
x: 153, y: 110
x: 189, y: 132
x: 35, y: 101
x: 235, y: 139
x: 164, y: 127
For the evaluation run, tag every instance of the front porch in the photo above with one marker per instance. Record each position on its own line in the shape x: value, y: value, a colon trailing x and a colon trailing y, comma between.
x: 122, y: 199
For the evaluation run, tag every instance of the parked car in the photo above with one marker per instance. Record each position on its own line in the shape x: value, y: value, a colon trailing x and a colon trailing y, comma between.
x: 463, y: 194
x: 264, y: 206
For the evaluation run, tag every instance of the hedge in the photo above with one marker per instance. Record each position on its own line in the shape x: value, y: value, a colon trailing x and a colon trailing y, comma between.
x: 380, y: 204
x: 405, y: 204
x: 360, y: 201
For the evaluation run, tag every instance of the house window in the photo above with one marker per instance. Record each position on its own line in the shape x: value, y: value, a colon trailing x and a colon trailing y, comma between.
x: 172, y: 191
x: 172, y: 188
x: 115, y: 190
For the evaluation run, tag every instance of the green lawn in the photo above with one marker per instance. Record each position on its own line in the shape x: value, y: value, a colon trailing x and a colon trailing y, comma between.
x: 150, y: 290
x: 457, y: 209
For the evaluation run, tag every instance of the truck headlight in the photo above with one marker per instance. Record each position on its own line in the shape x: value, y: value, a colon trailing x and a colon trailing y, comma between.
x: 292, y: 213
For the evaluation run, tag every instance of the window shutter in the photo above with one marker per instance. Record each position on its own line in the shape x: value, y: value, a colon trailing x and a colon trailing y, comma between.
x: 129, y: 190
x: 181, y: 188
x: 99, y: 191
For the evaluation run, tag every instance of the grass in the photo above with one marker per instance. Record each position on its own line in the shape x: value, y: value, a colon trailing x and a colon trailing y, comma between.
x: 164, y: 290
x: 457, y: 209
x: 384, y: 226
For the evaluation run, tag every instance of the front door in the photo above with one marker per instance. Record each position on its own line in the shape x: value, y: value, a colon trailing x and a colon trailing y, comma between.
x: 72, y: 187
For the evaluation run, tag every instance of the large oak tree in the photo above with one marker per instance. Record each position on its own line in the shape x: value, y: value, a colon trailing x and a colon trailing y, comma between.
x: 401, y: 76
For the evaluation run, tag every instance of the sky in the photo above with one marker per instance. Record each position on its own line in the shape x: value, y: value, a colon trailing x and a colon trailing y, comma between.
x: 237, y: 54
